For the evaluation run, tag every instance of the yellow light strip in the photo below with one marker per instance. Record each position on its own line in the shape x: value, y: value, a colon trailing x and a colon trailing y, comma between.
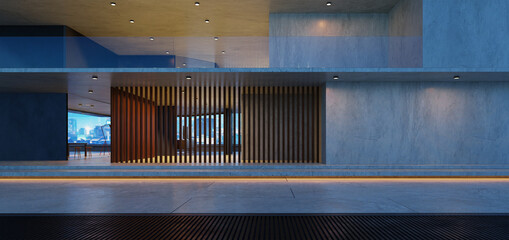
x: 254, y: 179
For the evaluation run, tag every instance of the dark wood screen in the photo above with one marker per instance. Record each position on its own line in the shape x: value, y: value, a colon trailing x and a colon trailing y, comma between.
x: 216, y: 124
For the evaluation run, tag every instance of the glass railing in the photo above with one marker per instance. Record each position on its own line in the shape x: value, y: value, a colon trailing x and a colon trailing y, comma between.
x: 209, y: 52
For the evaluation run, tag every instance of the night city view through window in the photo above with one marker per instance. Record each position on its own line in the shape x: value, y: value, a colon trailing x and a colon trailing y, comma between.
x: 84, y: 128
x: 204, y: 137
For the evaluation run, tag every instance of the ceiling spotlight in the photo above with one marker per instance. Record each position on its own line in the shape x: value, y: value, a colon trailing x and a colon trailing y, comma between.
x: 167, y: 52
x: 95, y: 77
x: 197, y: 3
x: 151, y: 38
x: 223, y: 52
x: 184, y: 64
x: 456, y: 77
x: 216, y: 38
x: 207, y: 21
x: 90, y: 91
x: 188, y: 77
x: 113, y: 4
x: 335, y: 77
x: 131, y: 21
x: 328, y: 4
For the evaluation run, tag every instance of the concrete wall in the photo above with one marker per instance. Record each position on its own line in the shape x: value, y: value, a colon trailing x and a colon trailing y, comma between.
x: 33, y: 126
x: 405, y: 32
x: 328, y: 40
x: 466, y: 33
x: 417, y: 123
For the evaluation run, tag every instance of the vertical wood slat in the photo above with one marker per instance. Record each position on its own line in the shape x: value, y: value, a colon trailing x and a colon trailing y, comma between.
x: 259, y: 126
x: 209, y: 140
x: 113, y: 138
x: 263, y: 122
x: 179, y: 142
x: 300, y: 142
x: 198, y: 122
x: 194, y: 101
x: 273, y: 126
x: 287, y: 112
x: 235, y: 125
x: 273, y: 115
x: 220, y: 121
x: 225, y: 124
x: 247, y: 133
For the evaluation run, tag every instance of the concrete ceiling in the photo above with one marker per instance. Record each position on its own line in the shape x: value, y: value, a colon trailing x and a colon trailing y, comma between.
x: 78, y: 84
x: 160, y: 18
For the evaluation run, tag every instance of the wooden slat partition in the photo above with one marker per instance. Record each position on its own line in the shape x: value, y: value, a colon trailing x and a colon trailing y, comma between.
x: 216, y: 123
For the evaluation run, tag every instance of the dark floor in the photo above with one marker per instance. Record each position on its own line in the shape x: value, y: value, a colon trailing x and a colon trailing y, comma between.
x: 254, y: 226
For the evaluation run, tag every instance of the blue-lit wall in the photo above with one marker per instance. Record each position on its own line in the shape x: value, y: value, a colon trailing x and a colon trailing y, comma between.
x: 466, y: 33
x: 33, y: 126
x: 417, y: 123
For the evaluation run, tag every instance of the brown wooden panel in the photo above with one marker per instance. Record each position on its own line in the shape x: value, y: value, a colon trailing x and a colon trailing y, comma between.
x: 277, y: 124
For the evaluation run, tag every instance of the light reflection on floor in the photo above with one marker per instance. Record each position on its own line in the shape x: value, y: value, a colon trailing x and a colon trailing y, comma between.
x: 272, y: 195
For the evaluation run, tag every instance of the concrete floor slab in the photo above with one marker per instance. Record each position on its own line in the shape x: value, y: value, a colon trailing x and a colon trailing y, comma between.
x: 279, y: 195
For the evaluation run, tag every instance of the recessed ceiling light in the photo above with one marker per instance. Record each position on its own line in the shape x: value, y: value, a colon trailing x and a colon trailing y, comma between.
x: 335, y: 77
x: 456, y: 77
x: 184, y: 64
x: 223, y: 52
x: 113, y: 4
x: 207, y: 21
x: 197, y: 3
x: 90, y: 91
x: 80, y: 104
x: 131, y: 21
x: 91, y: 106
x: 328, y: 4
x: 188, y: 77
x: 151, y: 38
x: 167, y: 52
x: 216, y: 38
x: 95, y: 77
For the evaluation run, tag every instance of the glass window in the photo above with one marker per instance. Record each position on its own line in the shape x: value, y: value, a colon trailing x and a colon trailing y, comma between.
x: 85, y: 128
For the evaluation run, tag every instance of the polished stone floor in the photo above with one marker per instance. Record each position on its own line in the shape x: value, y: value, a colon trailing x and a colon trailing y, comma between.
x: 279, y: 195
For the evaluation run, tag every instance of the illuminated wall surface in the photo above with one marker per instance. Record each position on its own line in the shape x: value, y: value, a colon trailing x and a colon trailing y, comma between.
x: 417, y: 123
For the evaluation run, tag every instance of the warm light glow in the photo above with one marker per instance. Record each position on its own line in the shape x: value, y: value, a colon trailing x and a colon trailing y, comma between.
x: 131, y: 21
x: 236, y: 179
x: 113, y: 4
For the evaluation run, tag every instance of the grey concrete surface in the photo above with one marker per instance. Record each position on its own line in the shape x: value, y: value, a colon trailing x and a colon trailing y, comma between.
x: 420, y: 123
x: 465, y: 33
x: 255, y: 196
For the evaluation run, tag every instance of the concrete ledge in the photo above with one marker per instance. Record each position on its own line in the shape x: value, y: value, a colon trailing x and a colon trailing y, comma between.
x: 249, y: 171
